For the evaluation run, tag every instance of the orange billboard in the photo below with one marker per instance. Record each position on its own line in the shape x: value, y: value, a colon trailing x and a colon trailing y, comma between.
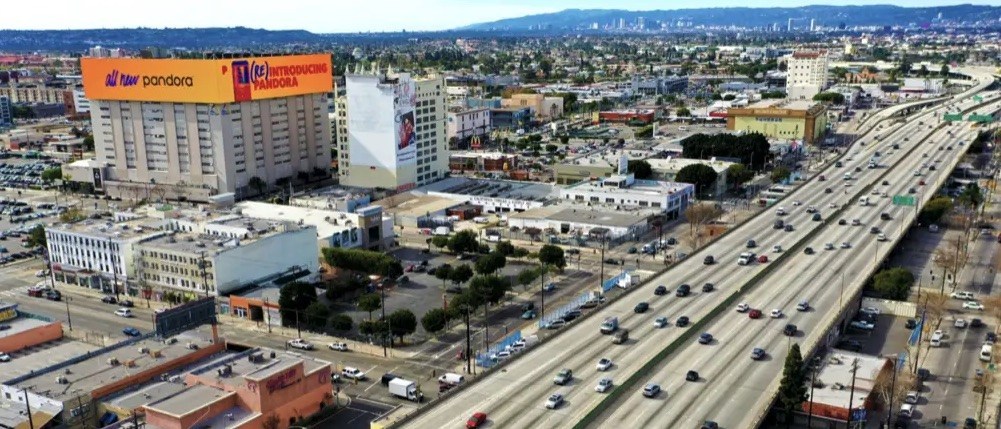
x: 206, y: 81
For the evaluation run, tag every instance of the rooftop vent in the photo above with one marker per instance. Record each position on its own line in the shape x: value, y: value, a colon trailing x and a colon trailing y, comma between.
x: 113, y: 361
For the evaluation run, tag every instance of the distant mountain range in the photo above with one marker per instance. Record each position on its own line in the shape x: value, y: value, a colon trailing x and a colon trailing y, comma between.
x: 134, y: 39
x: 828, y: 16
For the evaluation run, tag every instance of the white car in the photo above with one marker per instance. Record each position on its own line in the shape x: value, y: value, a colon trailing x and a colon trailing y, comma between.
x: 554, y: 401
x: 501, y: 355
x: 777, y: 248
x: 797, y: 203
x: 299, y: 343
x: 603, y: 385
x: 803, y: 306
x: 341, y: 347
x: 123, y: 312
x: 832, y: 205
x: 604, y: 364
x: 776, y: 314
x: 960, y: 323
x: 881, y: 237
x: 964, y: 295
x: 828, y: 246
x: 743, y: 307
x: 973, y: 305
x: 781, y: 211
x: 856, y: 222
x: 845, y: 245
x: 872, y: 311
x: 352, y: 373
x: 4, y: 357
x: 660, y: 322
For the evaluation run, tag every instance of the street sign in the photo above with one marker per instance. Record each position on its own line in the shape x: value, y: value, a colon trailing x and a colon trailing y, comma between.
x: 858, y: 414
x: 904, y: 200
x: 953, y: 117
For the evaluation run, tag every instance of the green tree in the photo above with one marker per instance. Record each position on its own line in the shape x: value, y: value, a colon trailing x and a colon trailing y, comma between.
x: 641, y: 168
x: 490, y: 263
x: 369, y: 303
x: 36, y: 237
x: 893, y: 283
x: 443, y: 273
x: 751, y: 149
x: 317, y: 314
x: 505, y: 248
x: 683, y: 112
x: 934, y: 210
x: 341, y: 322
x: 258, y: 184
x: 461, y: 274
x: 552, y: 255
x: 971, y: 196
x: 527, y: 276
x: 293, y: 298
x: 435, y: 320
x: 780, y: 173
x: 830, y: 97
x: 377, y: 328
x: 440, y: 241
x: 551, y: 148
x: 365, y: 261
x: 52, y: 174
x: 923, y: 71
x: 944, y: 71
x: 565, y: 139
x: 489, y: 288
x: 464, y: 241
x: 88, y: 143
x: 402, y: 322
x: 738, y: 174
x: 700, y: 175
x: 792, y: 389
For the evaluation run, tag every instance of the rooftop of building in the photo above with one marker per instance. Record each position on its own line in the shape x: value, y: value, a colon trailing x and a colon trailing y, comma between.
x: 467, y: 110
x: 837, y: 370
x: 486, y: 155
x: 782, y: 103
x: 486, y: 188
x: 189, y: 399
x: 120, y: 230
x: 145, y: 394
x: 808, y: 55
x: 509, y: 109
x: 333, y: 192
x: 594, y: 215
x: 675, y: 164
x: 247, y: 230
x: 651, y: 188
x: 20, y: 324
x: 630, y: 111
x: 327, y: 222
x: 268, y: 292
x: 85, y: 372
x: 43, y: 355
x: 267, y: 363
x: 608, y: 158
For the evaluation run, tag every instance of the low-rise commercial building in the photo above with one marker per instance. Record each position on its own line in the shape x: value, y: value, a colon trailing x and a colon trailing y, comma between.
x: 510, y: 118
x: 482, y: 162
x: 666, y: 169
x: 542, y: 107
x: 781, y: 119
x: 836, y: 371
x: 596, y: 165
x: 467, y: 123
x: 365, y: 228
x: 624, y: 190
x: 644, y: 116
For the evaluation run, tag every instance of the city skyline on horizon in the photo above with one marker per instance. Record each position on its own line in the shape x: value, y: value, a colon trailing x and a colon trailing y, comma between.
x: 395, y: 15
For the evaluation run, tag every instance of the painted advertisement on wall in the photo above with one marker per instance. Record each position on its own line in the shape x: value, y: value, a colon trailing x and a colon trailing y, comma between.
x: 404, y: 103
x: 206, y: 81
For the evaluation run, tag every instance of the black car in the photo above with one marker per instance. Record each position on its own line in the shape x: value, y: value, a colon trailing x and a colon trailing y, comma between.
x: 850, y: 345
x: 683, y: 290
x: 790, y: 330
x: 692, y: 376
x: 611, y: 261
x: 991, y: 337
x: 911, y: 324
x: 886, y: 183
x: 641, y: 307
x: 571, y: 315
x: 54, y: 295
x: 874, y: 230
x: 709, y: 260
x: 709, y: 424
x: 842, y: 222
x: 924, y: 374
x: 788, y: 227
x: 127, y: 303
x: 708, y: 287
x: 387, y: 377
x: 827, y: 190
x: 808, y: 251
x: 682, y: 321
x: 108, y: 299
x: 660, y: 290
x: 976, y: 323
x: 885, y: 216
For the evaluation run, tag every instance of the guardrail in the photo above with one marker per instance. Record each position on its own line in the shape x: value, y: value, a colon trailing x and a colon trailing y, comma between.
x: 811, y: 342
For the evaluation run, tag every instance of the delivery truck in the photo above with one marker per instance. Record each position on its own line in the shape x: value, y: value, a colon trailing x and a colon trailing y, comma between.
x: 405, y: 389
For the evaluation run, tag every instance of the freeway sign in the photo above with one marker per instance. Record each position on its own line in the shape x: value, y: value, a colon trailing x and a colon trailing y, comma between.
x: 953, y: 117
x: 980, y: 118
x: 904, y: 200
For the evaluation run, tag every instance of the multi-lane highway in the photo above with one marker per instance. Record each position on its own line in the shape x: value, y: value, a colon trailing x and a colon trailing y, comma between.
x: 735, y: 390
x: 515, y: 396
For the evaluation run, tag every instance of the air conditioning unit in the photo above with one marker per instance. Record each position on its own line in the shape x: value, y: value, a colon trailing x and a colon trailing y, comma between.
x: 112, y: 361
x: 175, y: 379
x: 170, y: 341
x: 62, y: 380
x: 191, y: 346
x: 143, y: 350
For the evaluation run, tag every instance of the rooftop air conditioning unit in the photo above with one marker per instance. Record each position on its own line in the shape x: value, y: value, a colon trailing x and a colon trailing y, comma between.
x: 112, y: 361
x: 62, y: 380
x: 143, y: 350
x: 191, y: 346
x: 175, y: 379
x: 170, y: 341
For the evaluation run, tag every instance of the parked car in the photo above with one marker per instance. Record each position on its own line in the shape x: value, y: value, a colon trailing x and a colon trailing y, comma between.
x: 299, y: 343
x: 132, y: 332
x: 338, y: 346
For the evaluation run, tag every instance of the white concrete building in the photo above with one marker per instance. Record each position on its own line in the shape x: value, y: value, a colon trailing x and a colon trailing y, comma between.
x: 806, y: 74
x: 395, y: 131
x: 623, y: 190
x: 80, y: 101
x: 365, y: 228
x: 666, y: 169
x: 465, y: 123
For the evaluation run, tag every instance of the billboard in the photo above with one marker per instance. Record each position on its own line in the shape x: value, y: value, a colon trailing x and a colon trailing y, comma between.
x: 185, y: 317
x: 404, y: 103
x: 215, y: 81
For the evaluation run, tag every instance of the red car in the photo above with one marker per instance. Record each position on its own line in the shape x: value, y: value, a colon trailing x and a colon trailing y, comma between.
x: 476, y: 420
x: 754, y: 314
x: 922, y: 183
x: 762, y: 259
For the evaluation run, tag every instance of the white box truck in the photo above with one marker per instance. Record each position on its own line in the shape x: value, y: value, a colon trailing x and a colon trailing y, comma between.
x: 442, y: 230
x: 405, y: 389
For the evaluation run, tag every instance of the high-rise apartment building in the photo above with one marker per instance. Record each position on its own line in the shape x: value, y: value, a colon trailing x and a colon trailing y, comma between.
x: 6, y: 112
x: 394, y: 132
x: 806, y: 74
x: 209, y: 127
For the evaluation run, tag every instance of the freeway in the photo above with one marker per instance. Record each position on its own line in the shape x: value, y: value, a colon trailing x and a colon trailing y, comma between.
x: 514, y: 396
x: 735, y: 390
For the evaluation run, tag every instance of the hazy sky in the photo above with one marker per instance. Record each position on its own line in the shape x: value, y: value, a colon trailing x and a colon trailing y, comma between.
x: 336, y: 16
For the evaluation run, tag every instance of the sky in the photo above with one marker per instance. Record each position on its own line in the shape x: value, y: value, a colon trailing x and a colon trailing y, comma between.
x: 346, y: 16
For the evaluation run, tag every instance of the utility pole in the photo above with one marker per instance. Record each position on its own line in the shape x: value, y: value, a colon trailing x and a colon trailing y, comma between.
x: 31, y: 421
x: 469, y: 350
x: 114, y: 267
x: 68, y: 318
x: 917, y: 356
x: 851, y: 394
x: 893, y: 391
x: 202, y: 265
x: 385, y: 353
x: 813, y: 381
x: 542, y: 308
x: 267, y: 313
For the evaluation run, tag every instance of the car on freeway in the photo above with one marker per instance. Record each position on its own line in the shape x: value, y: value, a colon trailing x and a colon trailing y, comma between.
x: 604, y: 364
x: 790, y: 330
x: 788, y: 227
x: 338, y: 346
x: 709, y: 260
x: 692, y: 375
x: 299, y: 343
x: 705, y: 338
x: 603, y: 385
x: 132, y: 332
x: 554, y: 401
x: 973, y: 305
x: 476, y: 420
x: 708, y: 287
x: 4, y: 357
x: 651, y: 390
x: 660, y: 322
x: 777, y: 248
x: 962, y: 294
x: 803, y: 306
x: 681, y: 322
x: 660, y: 290
x: 641, y: 307
x: 828, y: 190
x: 808, y: 251
x: 757, y: 353
x: 709, y: 424
x: 828, y: 246
x: 842, y: 222
x: 743, y: 307
x: 776, y: 313
x: 960, y: 323
x: 846, y: 245
x: 881, y: 237
x: 754, y: 313
x: 683, y: 290
x: 563, y: 377
x: 751, y: 244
